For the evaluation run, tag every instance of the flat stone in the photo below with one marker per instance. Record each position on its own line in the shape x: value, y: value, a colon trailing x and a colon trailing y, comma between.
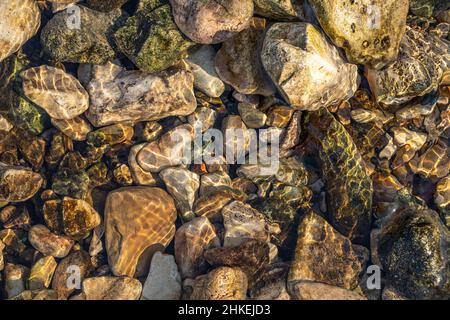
x: 20, y: 20
x: 89, y: 43
x: 41, y: 273
x: 322, y: 291
x: 223, y: 283
x: 213, y: 181
x: 201, y: 62
x: 211, y: 204
x: 163, y: 281
x: 183, y: 186
x: 169, y: 151
x: 238, y: 62
x: 293, y: 52
x: 134, y: 234
x: 403, y: 136
x: 18, y: 184
x: 76, y: 129
x: 242, y: 223
x: 112, y: 288
x: 323, y: 255
x: 191, y: 241
x: 210, y: 21
x: 251, y: 116
x: 60, y: 94
x: 77, y: 263
x: 49, y: 243
x: 370, y: 34
x: 118, y: 95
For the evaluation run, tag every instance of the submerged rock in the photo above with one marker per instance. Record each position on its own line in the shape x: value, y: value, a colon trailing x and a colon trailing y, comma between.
x: 118, y: 95
x: 89, y: 42
x: 370, y: 33
x: 20, y: 20
x: 348, y: 186
x: 41, y: 273
x: 210, y: 21
x: 324, y: 255
x: 411, y: 246
x: 282, y: 10
x: 18, y: 184
x: 49, y: 243
x: 322, y: 291
x: 422, y: 60
x: 112, y: 288
x: 105, y: 5
x: 138, y: 222
x: 307, y: 70
x: 76, y: 129
x: 60, y: 94
x: 151, y: 39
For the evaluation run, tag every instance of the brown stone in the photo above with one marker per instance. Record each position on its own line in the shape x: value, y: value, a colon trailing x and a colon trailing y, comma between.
x: 49, y: 243
x: 112, y: 288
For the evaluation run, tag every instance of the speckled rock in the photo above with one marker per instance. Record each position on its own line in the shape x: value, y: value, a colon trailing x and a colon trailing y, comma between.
x: 78, y: 217
x: 71, y: 183
x: 76, y: 129
x: 138, y: 221
x: 238, y: 62
x: 411, y: 246
x: 88, y: 43
x: 118, y: 95
x: 63, y: 280
x: 58, y: 93
x: 41, y: 273
x: 163, y: 281
x: 370, y: 34
x: 182, y: 185
x: 418, y: 70
x: 112, y: 288
x: 293, y: 52
x: 49, y: 243
x: 20, y: 20
x: 170, y: 150
x: 18, y: 184
x: 211, y: 21
x: 324, y: 255
x: 242, y: 223
x: 201, y: 62
x: 281, y: 10
x: 151, y: 39
x: 191, y: 241
x: 272, y: 284
x: 15, y: 217
x: 223, y: 283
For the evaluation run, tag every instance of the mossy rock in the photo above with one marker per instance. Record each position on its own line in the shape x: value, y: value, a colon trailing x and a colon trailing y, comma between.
x: 151, y: 39
x: 105, y: 5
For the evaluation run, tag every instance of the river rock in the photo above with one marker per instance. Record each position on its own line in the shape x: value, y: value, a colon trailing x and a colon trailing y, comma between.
x: 112, y: 288
x: 191, y: 241
x: 281, y: 10
x: 118, y: 95
x: 213, y: 181
x: 151, y: 39
x: 211, y: 21
x: 89, y: 42
x: 322, y: 291
x: 138, y: 221
x: 238, y: 62
x: 76, y: 129
x: 201, y: 62
x: 223, y: 283
x: 411, y: 246
x: 422, y: 60
x: 371, y: 32
x: 308, y: 71
x: 78, y: 217
x: 139, y: 175
x: 324, y: 255
x: 20, y: 20
x: 18, y: 184
x: 105, y: 5
x: 41, y: 273
x: 78, y: 262
x: 58, y: 93
x: 172, y: 149
x: 163, y: 281
x: 15, y: 276
x: 182, y: 185
x: 49, y: 243
x: 442, y: 195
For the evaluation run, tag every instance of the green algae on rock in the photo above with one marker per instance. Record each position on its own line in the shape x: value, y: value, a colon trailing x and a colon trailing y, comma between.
x: 18, y: 184
x: 369, y: 34
x: 88, y: 44
x: 151, y: 38
x: 349, y: 188
x: 105, y: 5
